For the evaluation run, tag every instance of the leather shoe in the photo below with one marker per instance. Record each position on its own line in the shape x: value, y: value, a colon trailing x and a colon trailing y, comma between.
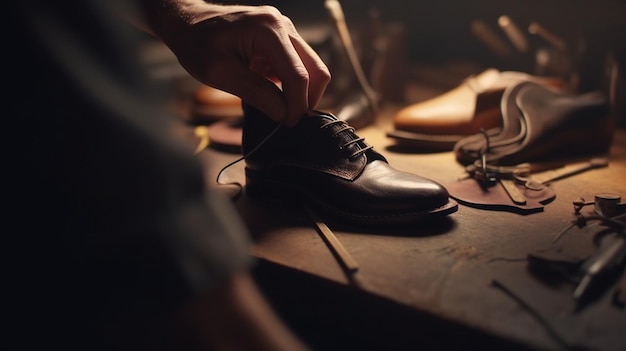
x: 440, y: 122
x: 322, y: 162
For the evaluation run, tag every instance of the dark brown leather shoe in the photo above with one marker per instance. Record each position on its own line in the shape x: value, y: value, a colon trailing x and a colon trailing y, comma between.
x: 323, y: 162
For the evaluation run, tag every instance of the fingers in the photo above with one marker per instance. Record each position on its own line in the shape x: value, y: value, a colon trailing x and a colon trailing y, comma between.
x: 255, y: 90
x: 241, y: 49
x: 316, y: 71
x: 286, y: 64
x: 319, y: 75
x: 264, y: 95
x: 302, y: 73
x: 294, y: 80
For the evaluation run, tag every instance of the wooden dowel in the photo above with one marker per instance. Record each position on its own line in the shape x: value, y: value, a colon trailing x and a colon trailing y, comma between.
x: 333, y: 243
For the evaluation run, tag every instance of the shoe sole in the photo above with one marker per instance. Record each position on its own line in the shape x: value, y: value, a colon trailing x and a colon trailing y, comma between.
x: 258, y: 187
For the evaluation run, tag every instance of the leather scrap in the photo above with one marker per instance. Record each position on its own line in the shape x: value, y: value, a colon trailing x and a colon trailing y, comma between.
x: 470, y: 193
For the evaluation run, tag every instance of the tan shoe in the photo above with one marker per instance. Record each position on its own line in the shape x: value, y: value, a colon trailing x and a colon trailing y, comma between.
x: 210, y: 104
x: 440, y: 122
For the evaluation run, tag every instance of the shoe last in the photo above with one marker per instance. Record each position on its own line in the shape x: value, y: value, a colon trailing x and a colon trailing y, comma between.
x: 323, y: 162
x: 466, y: 109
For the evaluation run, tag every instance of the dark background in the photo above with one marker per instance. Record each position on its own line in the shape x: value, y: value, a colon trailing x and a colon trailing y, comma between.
x: 439, y: 31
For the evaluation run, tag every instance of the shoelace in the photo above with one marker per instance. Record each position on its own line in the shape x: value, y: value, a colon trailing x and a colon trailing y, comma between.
x: 239, y: 185
x: 355, y: 140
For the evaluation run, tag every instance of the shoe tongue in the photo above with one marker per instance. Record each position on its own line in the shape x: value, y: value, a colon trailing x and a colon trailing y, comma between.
x: 318, y: 137
x: 340, y: 130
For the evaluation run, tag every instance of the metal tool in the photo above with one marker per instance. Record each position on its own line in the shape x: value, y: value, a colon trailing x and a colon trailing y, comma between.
x: 481, y: 168
x: 521, y: 170
x: 538, y: 182
x: 601, y: 266
x: 489, y: 175
x: 605, y: 204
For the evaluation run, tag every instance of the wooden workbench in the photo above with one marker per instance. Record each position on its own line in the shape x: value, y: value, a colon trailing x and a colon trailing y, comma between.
x: 440, y: 273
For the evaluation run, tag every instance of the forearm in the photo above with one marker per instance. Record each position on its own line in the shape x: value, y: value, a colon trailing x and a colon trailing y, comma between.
x: 242, y: 50
x: 165, y: 19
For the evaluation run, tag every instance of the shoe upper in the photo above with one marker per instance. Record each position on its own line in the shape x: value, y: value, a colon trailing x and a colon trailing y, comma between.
x: 323, y: 160
x: 320, y: 142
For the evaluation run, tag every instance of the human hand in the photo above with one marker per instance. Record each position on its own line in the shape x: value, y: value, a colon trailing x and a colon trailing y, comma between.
x: 246, y: 51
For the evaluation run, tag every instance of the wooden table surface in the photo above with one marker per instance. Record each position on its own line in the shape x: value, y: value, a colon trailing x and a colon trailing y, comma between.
x: 448, y: 270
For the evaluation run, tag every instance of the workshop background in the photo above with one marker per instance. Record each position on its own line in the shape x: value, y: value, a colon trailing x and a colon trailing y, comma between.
x: 444, y: 30
x: 439, y: 43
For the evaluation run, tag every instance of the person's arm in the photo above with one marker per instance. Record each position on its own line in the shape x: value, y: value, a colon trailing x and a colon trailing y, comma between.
x: 242, y: 50
x: 234, y: 317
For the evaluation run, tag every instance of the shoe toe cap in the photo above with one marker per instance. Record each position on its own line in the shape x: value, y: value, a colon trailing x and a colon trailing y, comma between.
x: 383, y: 188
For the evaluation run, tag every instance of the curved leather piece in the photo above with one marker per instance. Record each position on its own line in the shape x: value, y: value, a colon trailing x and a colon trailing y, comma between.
x: 470, y: 193
x: 323, y: 162
x: 463, y: 111
x: 469, y: 148
x: 543, y: 123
